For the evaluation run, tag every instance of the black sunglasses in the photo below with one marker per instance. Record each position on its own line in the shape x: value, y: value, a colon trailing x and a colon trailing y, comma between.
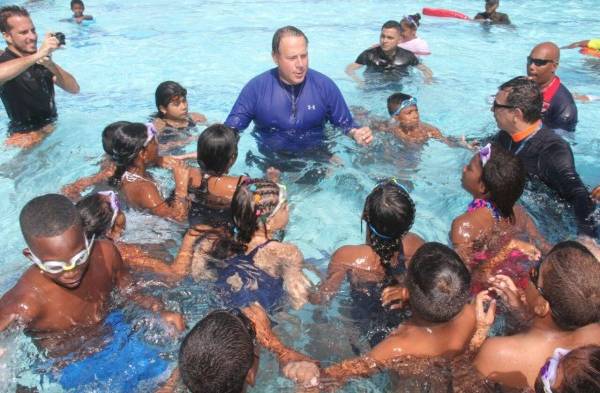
x: 495, y: 106
x: 538, y: 62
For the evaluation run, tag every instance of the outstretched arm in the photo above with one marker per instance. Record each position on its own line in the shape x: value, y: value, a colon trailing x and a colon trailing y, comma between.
x: 336, y: 274
x: 351, y: 72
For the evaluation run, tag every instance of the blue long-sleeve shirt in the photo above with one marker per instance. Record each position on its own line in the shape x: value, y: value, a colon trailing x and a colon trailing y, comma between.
x: 290, y: 118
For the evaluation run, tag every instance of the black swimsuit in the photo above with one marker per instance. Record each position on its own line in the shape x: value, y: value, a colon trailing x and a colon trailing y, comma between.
x: 207, y: 209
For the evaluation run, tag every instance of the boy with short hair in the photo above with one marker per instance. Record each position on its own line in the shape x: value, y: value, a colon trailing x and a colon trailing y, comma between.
x: 78, y: 8
x: 68, y: 288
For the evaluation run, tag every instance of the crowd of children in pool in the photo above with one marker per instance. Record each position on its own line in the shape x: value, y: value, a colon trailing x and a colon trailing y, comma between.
x: 552, y: 302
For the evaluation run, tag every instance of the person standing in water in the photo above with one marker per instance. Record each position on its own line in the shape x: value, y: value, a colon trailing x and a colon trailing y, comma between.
x: 491, y: 15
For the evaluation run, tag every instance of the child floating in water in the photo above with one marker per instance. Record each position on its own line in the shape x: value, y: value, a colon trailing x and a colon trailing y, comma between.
x: 491, y: 15
x: 78, y: 8
x: 410, y: 41
x: 389, y: 213
x: 68, y: 287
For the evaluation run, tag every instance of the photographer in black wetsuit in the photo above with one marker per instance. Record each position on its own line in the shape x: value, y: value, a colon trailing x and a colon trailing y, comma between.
x: 388, y: 57
x: 27, y: 78
x: 517, y: 110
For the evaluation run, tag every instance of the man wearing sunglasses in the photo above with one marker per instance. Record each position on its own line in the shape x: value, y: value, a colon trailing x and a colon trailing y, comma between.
x: 546, y: 156
x: 68, y: 289
x: 559, y: 111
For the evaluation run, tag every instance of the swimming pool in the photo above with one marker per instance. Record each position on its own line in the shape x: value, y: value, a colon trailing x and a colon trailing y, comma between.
x: 214, y: 47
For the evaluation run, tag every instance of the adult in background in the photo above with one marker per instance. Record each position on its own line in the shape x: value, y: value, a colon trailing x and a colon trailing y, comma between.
x: 491, y: 15
x: 546, y: 155
x: 388, y: 57
x: 27, y: 78
x: 559, y: 111
x: 291, y: 103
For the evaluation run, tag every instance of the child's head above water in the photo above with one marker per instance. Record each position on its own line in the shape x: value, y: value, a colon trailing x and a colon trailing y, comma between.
x: 496, y: 175
x: 389, y: 213
x: 573, y: 371
x: 410, y: 24
x: 218, y: 354
x: 77, y: 7
x: 101, y: 215
x: 403, y: 108
x: 52, y: 228
x: 491, y: 5
x: 217, y: 149
x: 108, y: 135
x: 438, y: 283
x: 171, y: 101
x: 568, y: 280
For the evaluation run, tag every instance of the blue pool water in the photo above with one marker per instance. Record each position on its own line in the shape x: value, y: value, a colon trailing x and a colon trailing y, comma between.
x: 213, y: 48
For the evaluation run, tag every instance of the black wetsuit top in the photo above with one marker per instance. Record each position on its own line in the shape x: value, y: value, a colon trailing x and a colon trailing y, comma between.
x: 29, y: 97
x: 549, y: 158
x: 377, y: 61
x: 562, y: 112
x: 496, y: 17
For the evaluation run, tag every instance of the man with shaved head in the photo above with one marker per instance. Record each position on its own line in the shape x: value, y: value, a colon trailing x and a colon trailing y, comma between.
x: 559, y: 111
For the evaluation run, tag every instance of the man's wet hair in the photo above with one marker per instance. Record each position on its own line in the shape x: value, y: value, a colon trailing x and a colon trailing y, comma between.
x: 217, y: 149
x: 216, y: 355
x: 570, y: 283
x: 165, y: 93
x: 524, y: 94
x: 392, y: 24
x: 284, y: 32
x: 74, y: 2
x: 504, y: 179
x: 580, y: 370
x: 48, y: 216
x: 438, y: 283
x: 7, y: 12
x: 394, y: 101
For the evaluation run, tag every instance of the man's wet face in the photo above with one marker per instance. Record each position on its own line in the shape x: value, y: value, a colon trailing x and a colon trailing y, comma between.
x: 21, y: 34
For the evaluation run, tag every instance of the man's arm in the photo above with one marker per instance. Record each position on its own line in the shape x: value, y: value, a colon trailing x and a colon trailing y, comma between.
x: 62, y: 78
x: 13, y: 68
x: 351, y: 71
x: 244, y: 109
x: 426, y: 71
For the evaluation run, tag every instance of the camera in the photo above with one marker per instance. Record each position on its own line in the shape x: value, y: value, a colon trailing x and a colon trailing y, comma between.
x: 60, y: 37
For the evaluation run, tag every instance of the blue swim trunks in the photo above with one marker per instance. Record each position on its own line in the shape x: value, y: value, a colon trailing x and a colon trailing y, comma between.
x: 121, y: 366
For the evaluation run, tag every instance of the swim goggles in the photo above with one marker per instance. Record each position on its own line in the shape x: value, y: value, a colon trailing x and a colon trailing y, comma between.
x: 56, y: 267
x: 405, y: 104
x: 281, y: 199
x: 485, y: 153
x: 115, y: 205
x: 549, y: 370
x: 152, y: 133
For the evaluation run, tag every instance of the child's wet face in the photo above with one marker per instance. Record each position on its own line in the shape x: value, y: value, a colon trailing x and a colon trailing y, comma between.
x: 408, y: 117
x: 177, y: 109
x: 77, y: 10
x: 471, y: 176
x: 62, y: 248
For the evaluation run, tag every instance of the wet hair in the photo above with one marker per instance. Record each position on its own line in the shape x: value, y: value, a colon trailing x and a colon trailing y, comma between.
x: 108, y: 135
x: 492, y: 2
x: 415, y: 18
x: 394, y: 101
x: 217, y: 149
x: 284, y: 32
x: 216, y: 355
x: 571, y: 285
x: 438, y: 283
x: 392, y: 24
x: 581, y: 372
x: 7, y: 12
x: 165, y: 93
x: 96, y: 215
x: 504, y: 179
x: 127, y: 142
x: 73, y: 2
x: 252, y: 202
x: 391, y: 211
x: 524, y: 94
x: 48, y: 216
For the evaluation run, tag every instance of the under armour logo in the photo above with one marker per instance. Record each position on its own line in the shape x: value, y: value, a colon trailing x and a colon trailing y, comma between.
x: 311, y: 107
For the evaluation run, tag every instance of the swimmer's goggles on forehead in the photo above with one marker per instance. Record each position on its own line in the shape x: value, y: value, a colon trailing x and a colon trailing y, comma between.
x: 115, y: 205
x: 152, y: 133
x: 405, y: 104
x: 56, y: 267
x: 281, y: 199
x: 538, y: 62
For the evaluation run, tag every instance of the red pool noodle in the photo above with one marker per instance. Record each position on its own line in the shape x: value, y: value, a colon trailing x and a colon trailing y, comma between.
x: 589, y: 52
x: 442, y: 13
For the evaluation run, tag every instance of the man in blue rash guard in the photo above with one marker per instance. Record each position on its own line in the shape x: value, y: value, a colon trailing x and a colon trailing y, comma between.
x: 290, y: 104
x: 547, y: 157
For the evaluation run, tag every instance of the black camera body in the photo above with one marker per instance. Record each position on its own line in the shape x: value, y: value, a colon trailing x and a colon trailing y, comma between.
x: 60, y: 37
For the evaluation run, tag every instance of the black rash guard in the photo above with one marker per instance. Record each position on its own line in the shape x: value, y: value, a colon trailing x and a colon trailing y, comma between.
x: 29, y: 97
x: 496, y: 17
x: 377, y: 61
x: 560, y: 112
x: 549, y: 158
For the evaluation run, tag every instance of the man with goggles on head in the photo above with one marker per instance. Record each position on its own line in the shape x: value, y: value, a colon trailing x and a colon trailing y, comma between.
x: 69, y: 287
x: 559, y: 111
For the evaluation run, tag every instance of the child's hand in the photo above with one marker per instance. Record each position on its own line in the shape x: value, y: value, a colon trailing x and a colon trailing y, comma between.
x: 504, y: 287
x: 305, y: 373
x: 198, y: 118
x: 394, y: 296
x: 174, y: 319
x: 484, y: 319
